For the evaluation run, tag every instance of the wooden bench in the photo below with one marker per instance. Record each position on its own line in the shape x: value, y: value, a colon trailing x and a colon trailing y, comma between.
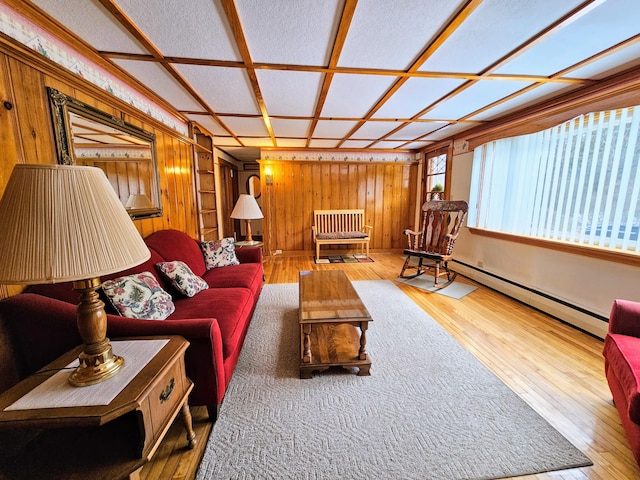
x: 340, y: 227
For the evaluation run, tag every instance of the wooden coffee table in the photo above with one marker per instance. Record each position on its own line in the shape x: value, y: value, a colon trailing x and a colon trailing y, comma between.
x: 333, y: 324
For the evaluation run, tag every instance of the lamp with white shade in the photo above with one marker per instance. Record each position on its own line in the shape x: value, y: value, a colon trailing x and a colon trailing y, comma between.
x: 63, y: 223
x: 247, y: 209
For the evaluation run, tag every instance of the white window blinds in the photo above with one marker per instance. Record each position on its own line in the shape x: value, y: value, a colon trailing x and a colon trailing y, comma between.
x: 577, y: 182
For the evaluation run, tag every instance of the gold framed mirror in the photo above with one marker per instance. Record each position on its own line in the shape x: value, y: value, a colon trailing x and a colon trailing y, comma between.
x: 253, y: 186
x: 85, y: 135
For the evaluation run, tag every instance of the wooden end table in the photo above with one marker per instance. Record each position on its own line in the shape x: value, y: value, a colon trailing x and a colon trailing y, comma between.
x: 97, y: 441
x: 331, y: 313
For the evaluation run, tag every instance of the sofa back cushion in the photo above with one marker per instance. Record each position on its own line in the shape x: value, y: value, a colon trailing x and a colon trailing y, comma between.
x: 64, y: 291
x: 176, y: 245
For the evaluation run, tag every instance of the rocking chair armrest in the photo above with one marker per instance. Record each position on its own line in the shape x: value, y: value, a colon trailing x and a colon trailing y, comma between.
x: 409, y: 232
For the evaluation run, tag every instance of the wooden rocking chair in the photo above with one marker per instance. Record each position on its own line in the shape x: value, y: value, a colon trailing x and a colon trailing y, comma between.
x: 431, y: 248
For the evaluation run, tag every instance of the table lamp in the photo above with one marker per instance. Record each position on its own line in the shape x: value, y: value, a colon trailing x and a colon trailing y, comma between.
x: 63, y: 223
x: 247, y: 209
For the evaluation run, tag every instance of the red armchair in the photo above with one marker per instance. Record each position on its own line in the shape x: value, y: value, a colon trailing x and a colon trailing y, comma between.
x: 622, y: 367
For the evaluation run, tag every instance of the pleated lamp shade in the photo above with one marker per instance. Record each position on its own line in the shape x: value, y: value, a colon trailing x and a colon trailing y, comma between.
x: 64, y: 222
x: 246, y: 208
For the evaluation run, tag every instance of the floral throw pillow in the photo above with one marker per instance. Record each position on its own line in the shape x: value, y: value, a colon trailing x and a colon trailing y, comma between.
x: 182, y: 278
x: 139, y: 296
x: 219, y: 253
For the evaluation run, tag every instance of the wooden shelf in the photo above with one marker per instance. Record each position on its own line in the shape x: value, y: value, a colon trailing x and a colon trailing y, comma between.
x: 206, y: 187
x: 207, y: 191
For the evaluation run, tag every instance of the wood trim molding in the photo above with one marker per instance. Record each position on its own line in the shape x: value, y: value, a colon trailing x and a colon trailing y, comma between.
x: 617, y: 256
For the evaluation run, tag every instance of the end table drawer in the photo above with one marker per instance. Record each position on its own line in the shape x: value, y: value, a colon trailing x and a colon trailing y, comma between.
x: 166, y: 395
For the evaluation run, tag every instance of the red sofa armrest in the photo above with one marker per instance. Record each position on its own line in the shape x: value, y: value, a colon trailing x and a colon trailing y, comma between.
x: 625, y: 318
x: 249, y: 254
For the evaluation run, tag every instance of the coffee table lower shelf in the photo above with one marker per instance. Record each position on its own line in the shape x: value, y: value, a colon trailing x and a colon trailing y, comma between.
x: 333, y: 345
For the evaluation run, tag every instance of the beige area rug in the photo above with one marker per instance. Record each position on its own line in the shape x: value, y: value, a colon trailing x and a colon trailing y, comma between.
x: 429, y: 410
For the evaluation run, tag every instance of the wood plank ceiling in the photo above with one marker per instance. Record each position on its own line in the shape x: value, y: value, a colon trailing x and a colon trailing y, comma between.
x: 354, y: 74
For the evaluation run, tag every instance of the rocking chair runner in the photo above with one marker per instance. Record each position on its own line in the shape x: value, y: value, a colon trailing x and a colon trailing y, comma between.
x: 433, y: 245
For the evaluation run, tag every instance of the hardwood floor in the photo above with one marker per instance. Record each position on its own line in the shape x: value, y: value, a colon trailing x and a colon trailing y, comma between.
x: 557, y: 369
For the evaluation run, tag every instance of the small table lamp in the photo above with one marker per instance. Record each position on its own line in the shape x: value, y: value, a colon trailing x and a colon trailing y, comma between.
x: 63, y: 223
x: 247, y: 209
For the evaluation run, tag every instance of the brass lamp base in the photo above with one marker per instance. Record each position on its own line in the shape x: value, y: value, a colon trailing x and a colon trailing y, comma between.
x: 97, y: 361
x: 96, y: 368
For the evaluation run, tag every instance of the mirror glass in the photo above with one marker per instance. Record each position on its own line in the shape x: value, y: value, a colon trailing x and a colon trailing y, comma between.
x: 126, y: 153
x: 253, y: 186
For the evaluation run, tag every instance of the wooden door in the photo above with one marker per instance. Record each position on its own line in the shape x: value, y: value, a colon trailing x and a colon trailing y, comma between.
x: 228, y: 195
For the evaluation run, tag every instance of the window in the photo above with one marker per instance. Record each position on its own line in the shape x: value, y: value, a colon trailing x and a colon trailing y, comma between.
x: 577, y: 182
x: 435, y: 172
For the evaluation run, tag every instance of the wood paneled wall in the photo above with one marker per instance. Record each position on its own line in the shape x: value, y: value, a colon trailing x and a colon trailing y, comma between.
x: 26, y: 134
x: 386, y: 191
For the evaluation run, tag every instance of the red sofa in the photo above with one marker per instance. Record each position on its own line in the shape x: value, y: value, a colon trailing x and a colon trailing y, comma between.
x: 622, y: 367
x: 42, y: 324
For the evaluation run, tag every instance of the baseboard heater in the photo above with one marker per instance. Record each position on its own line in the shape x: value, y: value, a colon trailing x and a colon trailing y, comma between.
x: 566, y: 312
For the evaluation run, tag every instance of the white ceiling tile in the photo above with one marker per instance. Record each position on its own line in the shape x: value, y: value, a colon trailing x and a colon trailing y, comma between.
x: 257, y: 141
x: 374, y: 129
x: 494, y: 29
x: 333, y: 128
x: 199, y: 31
x: 448, y: 131
x: 416, y: 145
x: 473, y: 98
x: 604, y: 26
x: 354, y: 95
x: 292, y: 142
x: 82, y: 17
x: 323, y: 143
x: 283, y: 127
x: 159, y: 80
x: 610, y: 65
x: 385, y: 144
x: 391, y: 35
x: 296, y: 32
x: 249, y: 126
x: 226, y: 90
x: 289, y: 93
x: 209, y: 123
x: 225, y: 142
x: 415, y: 130
x: 356, y: 144
x: 247, y: 154
x: 414, y: 95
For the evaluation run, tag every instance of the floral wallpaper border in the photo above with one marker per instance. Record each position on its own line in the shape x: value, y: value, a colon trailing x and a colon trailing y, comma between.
x: 27, y: 33
x: 338, y: 156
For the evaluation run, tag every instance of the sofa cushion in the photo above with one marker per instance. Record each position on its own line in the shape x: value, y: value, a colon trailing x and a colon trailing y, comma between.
x: 139, y: 296
x: 244, y: 275
x: 176, y: 245
x: 219, y: 253
x: 182, y: 278
x: 231, y: 307
x: 623, y: 356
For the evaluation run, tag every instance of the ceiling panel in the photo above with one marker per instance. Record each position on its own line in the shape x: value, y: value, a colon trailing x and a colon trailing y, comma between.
x: 296, y: 32
x: 374, y: 129
x: 476, y: 96
x: 333, y: 128
x: 225, y: 141
x: 417, y: 145
x: 257, y: 141
x: 323, y: 143
x: 290, y: 128
x: 356, y: 144
x: 447, y: 131
x: 387, y: 145
x: 209, y: 123
x: 414, y: 95
x: 250, y: 126
x: 391, y: 35
x: 292, y: 142
x: 82, y: 17
x: 199, y: 31
x: 158, y: 79
x: 492, y: 31
x: 604, y: 26
x: 354, y: 95
x: 289, y: 93
x: 610, y: 65
x: 415, y: 130
x: 226, y: 90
